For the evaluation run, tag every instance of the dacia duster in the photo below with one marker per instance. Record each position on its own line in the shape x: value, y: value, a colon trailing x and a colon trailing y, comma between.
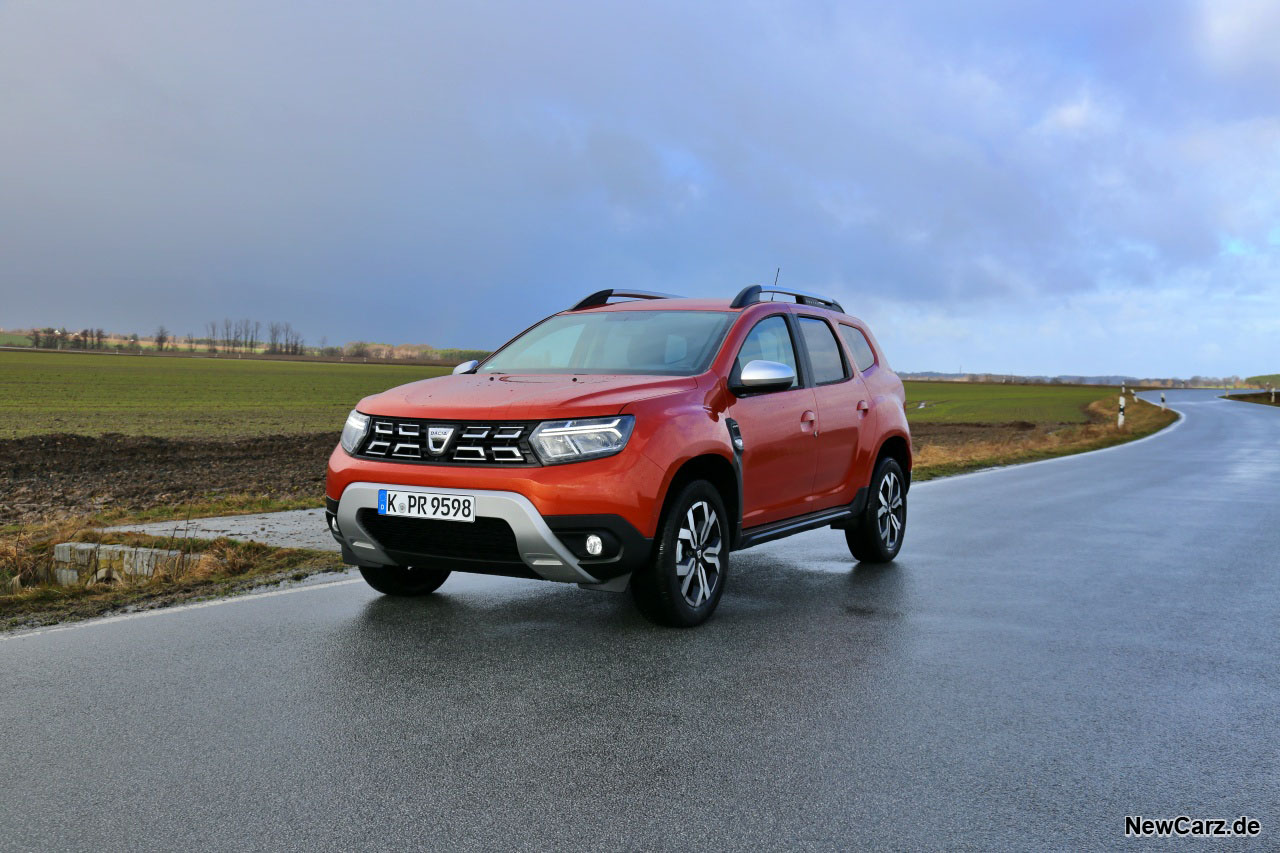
x: 630, y: 444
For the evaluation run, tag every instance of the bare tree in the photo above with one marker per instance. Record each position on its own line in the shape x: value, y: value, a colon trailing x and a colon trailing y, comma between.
x: 212, y: 328
x: 35, y: 338
x: 254, y: 334
x: 226, y: 334
x: 191, y: 342
x: 291, y: 341
x: 162, y: 338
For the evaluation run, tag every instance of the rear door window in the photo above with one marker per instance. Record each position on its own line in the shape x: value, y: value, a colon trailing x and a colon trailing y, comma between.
x: 863, y: 355
x: 824, y: 351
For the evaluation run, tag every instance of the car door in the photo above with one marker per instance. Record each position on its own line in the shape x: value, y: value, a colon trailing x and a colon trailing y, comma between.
x: 842, y: 408
x: 778, y: 458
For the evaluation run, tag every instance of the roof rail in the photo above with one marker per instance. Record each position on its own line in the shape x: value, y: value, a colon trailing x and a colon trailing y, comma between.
x: 751, y: 294
x: 601, y: 297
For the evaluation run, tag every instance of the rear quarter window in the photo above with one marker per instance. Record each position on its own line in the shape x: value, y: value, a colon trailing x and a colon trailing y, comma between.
x: 859, y: 346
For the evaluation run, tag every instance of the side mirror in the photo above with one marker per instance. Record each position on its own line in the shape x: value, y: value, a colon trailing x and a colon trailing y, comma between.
x: 761, y: 376
x: 466, y: 367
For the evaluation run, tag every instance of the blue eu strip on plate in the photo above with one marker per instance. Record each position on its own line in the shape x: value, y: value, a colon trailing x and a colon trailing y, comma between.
x: 382, y: 501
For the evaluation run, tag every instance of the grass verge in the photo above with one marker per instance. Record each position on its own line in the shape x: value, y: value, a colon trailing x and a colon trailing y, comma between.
x: 1045, y: 442
x: 247, y: 504
x: 212, y: 507
x: 207, y: 569
x: 1261, y: 398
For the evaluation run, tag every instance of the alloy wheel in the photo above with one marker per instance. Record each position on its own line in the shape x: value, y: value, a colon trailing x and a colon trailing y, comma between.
x: 698, y: 547
x: 892, y: 511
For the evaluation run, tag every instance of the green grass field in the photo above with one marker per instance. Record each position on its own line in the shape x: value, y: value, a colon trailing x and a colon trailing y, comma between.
x: 1269, y: 380
x: 9, y: 339
x: 964, y: 402
x: 194, y: 397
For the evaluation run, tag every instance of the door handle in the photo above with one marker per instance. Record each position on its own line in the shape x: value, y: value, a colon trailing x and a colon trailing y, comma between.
x: 809, y: 419
x: 864, y: 406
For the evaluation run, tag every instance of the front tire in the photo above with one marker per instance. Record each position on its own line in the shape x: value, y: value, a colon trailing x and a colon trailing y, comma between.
x: 876, y: 536
x: 404, y: 580
x: 685, y: 578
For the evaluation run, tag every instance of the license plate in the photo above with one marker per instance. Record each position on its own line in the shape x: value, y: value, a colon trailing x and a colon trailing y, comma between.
x: 427, y: 505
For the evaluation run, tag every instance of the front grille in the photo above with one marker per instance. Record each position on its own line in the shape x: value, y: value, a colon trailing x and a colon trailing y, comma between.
x: 487, y: 539
x: 501, y: 443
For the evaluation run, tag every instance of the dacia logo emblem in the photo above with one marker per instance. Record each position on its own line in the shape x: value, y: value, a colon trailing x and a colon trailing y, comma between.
x: 438, y: 439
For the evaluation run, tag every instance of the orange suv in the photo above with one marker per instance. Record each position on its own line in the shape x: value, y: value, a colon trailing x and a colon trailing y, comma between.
x: 630, y: 444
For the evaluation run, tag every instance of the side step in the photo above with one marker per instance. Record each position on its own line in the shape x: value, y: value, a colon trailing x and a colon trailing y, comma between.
x: 833, y: 517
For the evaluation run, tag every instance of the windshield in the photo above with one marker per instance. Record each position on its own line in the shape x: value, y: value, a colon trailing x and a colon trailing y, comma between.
x: 667, y: 343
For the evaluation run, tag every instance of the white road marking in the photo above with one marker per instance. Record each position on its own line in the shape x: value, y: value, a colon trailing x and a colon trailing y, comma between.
x: 180, y: 608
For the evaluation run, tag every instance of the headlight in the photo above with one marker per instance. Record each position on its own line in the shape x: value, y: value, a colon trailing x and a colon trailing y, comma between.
x: 585, y: 438
x: 353, y: 431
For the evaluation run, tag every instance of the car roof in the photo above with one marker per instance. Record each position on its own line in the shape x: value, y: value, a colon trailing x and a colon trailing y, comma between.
x: 691, y: 304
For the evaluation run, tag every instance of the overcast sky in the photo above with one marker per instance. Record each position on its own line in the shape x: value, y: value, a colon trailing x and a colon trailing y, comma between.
x: 1087, y: 187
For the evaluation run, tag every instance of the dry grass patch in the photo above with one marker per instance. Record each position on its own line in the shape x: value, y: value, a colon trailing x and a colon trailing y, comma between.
x: 1007, y: 444
x: 1264, y: 398
x: 30, y: 596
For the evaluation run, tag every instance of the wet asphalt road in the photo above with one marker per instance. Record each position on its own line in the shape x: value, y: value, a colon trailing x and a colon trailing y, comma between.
x: 1058, y: 645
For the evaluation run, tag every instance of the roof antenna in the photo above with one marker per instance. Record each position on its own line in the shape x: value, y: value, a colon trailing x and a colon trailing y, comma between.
x: 775, y: 276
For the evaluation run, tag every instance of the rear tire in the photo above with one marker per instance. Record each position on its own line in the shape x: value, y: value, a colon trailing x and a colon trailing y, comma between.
x: 682, y: 584
x: 876, y: 536
x: 404, y: 580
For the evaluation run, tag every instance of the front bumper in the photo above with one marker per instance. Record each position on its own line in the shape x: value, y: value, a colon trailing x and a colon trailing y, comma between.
x: 542, y: 553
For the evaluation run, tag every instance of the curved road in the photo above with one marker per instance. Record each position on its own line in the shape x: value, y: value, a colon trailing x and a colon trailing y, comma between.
x: 1059, y: 645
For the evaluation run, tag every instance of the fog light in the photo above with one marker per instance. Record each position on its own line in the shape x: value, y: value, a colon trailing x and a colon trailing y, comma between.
x: 595, y: 547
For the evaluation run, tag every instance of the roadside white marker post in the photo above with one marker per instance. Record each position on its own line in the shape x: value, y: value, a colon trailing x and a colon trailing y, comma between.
x: 1273, y: 395
x: 1162, y: 401
x: 1120, y: 417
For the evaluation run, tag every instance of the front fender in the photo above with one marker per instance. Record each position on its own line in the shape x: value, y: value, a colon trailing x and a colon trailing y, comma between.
x: 682, y: 430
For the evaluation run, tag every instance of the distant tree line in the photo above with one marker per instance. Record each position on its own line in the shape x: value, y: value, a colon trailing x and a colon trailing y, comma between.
x: 50, y: 338
x: 1130, y: 381
x: 415, y: 352
x: 245, y: 337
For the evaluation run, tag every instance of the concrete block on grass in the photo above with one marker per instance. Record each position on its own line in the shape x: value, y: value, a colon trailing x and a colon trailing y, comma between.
x: 66, y: 577
x: 73, y: 561
x: 143, y: 562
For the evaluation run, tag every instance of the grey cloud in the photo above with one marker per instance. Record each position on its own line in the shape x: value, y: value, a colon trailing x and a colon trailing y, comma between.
x: 485, y: 163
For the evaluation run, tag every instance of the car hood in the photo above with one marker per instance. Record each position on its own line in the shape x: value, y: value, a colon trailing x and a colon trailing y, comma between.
x: 519, y: 397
